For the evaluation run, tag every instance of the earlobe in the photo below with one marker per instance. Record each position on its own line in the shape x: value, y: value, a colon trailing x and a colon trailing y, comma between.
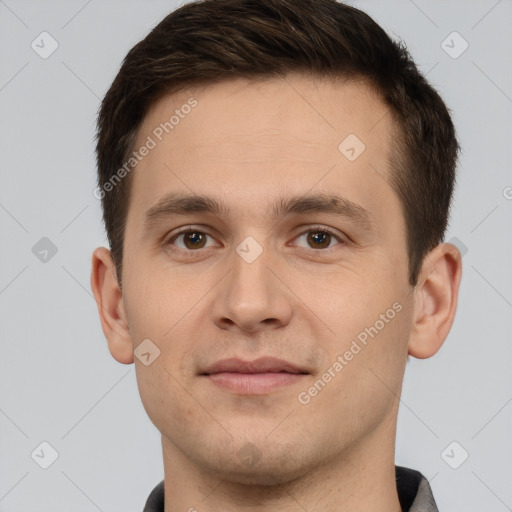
x: 435, y: 300
x: 110, y: 304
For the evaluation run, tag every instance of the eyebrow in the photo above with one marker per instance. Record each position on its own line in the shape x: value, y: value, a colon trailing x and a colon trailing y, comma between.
x: 188, y: 204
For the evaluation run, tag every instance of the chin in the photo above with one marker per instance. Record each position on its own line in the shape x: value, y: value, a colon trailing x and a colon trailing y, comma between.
x: 262, y: 474
x: 262, y: 477
x: 260, y: 462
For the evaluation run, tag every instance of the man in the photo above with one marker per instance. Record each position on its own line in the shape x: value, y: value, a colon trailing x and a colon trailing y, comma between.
x: 276, y: 179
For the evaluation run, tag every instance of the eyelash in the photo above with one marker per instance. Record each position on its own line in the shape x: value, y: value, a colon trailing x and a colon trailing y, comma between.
x: 196, y: 229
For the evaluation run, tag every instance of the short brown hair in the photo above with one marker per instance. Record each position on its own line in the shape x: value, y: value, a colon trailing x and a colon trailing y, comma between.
x: 207, y: 41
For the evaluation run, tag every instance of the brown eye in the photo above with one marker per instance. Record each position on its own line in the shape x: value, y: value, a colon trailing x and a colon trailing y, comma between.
x: 191, y: 240
x: 320, y: 238
x: 194, y: 240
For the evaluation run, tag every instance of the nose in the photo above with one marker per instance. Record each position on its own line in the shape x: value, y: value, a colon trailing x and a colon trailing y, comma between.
x: 253, y: 296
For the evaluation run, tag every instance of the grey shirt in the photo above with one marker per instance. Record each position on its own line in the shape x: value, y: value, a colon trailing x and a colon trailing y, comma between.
x: 414, y: 493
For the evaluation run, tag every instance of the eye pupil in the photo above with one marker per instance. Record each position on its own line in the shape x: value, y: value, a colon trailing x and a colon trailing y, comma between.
x: 319, y: 237
x: 194, y: 237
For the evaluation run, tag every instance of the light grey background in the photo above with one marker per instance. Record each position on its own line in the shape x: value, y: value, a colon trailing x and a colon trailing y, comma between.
x: 58, y: 382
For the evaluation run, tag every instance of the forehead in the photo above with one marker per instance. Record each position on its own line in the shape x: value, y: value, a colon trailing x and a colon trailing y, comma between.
x: 250, y: 139
x: 303, y: 109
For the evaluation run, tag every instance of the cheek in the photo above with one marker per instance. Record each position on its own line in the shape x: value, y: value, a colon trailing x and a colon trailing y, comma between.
x: 370, y: 323
x: 155, y: 304
x: 164, y: 399
x: 160, y: 308
x: 368, y: 369
x: 345, y: 301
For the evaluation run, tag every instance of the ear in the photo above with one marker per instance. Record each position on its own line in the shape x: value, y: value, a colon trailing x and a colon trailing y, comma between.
x: 435, y: 300
x: 111, y: 309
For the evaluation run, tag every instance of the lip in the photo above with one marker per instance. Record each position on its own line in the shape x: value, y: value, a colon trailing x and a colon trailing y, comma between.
x: 261, y: 365
x: 253, y: 377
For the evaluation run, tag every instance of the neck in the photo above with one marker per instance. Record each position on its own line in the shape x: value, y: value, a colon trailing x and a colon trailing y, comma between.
x: 360, y: 479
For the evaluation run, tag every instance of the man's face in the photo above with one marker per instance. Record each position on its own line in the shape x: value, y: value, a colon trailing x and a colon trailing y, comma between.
x: 302, y: 286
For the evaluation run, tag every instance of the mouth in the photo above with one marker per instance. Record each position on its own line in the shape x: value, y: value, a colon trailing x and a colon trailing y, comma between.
x: 257, y: 377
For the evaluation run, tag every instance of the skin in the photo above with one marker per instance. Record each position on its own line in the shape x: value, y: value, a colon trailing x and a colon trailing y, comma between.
x: 248, y: 143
